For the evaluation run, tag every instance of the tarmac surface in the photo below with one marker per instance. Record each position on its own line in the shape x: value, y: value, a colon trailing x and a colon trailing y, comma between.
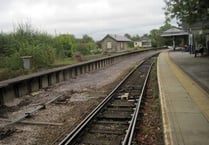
x: 183, y: 83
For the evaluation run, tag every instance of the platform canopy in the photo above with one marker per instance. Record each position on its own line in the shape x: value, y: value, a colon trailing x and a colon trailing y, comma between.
x: 174, y: 32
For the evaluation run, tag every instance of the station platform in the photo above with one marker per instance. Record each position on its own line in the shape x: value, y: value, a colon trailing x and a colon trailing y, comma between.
x: 184, y: 98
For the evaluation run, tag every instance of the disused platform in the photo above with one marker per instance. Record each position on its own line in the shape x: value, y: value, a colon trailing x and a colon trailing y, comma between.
x: 183, y: 83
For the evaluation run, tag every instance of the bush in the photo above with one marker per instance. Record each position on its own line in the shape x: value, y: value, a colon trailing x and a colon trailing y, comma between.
x: 64, y: 45
x: 3, y: 62
x: 41, y: 56
x: 44, y: 56
x: 96, y: 51
x: 14, y: 62
x: 51, y: 55
x: 82, y: 48
x: 44, y: 48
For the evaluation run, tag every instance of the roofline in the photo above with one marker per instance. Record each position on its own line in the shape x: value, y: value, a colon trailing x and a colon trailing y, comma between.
x: 118, y: 40
x: 170, y: 34
x: 113, y: 38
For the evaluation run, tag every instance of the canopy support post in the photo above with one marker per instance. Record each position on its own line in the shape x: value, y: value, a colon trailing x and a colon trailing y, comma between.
x: 174, y: 47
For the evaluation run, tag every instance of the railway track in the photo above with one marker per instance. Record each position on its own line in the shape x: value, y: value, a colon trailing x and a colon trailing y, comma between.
x: 113, y: 121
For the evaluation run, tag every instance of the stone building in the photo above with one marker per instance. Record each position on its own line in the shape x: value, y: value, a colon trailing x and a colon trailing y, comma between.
x: 114, y: 43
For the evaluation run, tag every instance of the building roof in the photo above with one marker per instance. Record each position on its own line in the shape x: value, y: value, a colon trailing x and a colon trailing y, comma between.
x: 117, y: 37
x: 174, y: 32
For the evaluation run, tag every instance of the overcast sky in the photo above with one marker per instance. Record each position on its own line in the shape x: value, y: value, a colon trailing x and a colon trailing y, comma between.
x: 93, y: 17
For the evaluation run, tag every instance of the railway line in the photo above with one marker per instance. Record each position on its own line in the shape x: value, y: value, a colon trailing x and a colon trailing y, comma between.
x: 130, y: 114
x: 113, y: 120
x: 80, y: 94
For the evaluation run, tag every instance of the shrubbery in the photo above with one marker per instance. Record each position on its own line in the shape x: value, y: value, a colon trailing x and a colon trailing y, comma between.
x: 14, y: 62
x: 23, y: 42
x: 44, y: 48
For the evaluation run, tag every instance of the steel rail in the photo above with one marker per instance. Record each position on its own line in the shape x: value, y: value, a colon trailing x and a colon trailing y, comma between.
x: 133, y: 124
x: 71, y: 136
x: 130, y: 130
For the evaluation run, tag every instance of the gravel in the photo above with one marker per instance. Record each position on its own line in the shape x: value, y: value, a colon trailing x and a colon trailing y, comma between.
x: 78, y: 97
x: 149, y: 129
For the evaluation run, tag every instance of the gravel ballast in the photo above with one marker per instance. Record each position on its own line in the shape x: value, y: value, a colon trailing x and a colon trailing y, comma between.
x: 78, y: 97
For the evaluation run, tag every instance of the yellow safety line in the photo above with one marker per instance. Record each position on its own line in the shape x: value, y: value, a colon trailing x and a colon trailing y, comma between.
x: 197, y: 93
x: 199, y: 96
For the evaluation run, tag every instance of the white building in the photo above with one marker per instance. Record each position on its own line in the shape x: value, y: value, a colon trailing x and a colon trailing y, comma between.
x: 144, y: 42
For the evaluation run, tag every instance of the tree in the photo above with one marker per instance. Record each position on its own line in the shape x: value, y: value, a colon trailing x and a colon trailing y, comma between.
x: 165, y: 27
x: 128, y: 36
x: 136, y: 38
x: 155, y: 37
x: 87, y: 39
x: 4, y: 42
x: 65, y: 44
x: 130, y: 43
x: 187, y: 11
x: 26, y: 40
x: 86, y: 45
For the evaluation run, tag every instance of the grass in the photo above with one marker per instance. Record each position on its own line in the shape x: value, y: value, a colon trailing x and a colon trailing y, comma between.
x: 7, y: 74
x: 71, y: 60
x: 93, y: 56
x: 61, y: 62
x: 2, y: 70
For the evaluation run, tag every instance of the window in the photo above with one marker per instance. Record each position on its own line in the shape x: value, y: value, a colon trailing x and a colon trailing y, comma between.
x: 121, y: 45
x: 109, y: 45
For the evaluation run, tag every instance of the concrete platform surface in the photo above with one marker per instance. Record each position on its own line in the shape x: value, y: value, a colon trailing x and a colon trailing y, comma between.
x: 196, y: 67
x: 185, y: 104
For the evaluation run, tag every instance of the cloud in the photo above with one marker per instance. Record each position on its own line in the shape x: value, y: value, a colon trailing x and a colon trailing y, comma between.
x: 93, y: 17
